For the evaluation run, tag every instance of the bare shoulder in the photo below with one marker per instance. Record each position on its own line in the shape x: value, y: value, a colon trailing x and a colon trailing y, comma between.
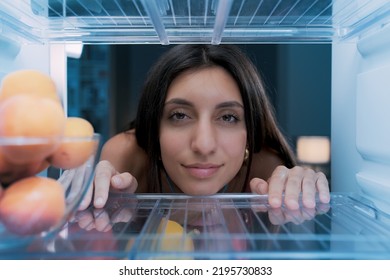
x: 264, y: 163
x: 123, y: 152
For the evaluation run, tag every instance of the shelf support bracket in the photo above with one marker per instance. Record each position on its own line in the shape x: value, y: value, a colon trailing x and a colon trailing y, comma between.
x: 221, y: 17
x: 152, y: 10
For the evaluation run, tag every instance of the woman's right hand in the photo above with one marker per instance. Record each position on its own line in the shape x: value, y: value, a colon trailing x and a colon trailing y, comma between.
x: 107, y: 178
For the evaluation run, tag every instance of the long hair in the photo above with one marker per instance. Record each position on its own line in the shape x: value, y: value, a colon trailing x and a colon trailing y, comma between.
x: 259, y: 114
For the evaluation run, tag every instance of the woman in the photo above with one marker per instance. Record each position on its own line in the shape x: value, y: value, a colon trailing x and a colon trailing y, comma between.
x: 204, y: 125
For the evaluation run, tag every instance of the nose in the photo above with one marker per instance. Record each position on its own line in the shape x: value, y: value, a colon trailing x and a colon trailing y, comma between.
x: 204, y: 138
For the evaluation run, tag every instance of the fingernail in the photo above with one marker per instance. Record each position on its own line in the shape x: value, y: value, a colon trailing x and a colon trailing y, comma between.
x: 117, y: 181
x: 99, y: 202
x: 293, y: 205
x: 309, y: 203
x: 325, y: 198
x: 275, y: 202
x: 82, y: 205
x: 261, y: 188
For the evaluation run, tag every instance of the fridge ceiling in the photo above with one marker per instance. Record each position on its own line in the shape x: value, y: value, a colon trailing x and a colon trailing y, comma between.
x: 190, y: 21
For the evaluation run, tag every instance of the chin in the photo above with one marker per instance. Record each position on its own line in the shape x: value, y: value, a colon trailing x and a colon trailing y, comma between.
x: 200, y: 191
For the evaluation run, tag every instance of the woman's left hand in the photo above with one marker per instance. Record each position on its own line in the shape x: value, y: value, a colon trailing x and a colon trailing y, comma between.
x: 292, y: 183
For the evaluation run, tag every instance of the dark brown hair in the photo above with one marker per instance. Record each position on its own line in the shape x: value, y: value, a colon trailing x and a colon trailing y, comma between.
x: 259, y: 116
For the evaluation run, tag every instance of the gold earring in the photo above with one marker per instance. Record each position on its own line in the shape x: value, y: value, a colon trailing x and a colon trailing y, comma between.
x: 246, y: 156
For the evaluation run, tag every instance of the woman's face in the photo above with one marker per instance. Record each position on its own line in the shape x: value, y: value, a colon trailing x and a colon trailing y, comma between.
x: 203, y: 132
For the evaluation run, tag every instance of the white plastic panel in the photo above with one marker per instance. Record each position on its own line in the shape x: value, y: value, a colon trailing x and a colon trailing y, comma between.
x: 346, y: 161
x: 373, y: 103
x: 372, y: 115
x: 27, y: 57
x: 373, y: 134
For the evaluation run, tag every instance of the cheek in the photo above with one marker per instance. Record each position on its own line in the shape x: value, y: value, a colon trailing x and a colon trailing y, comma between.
x: 234, y: 145
x: 170, y: 144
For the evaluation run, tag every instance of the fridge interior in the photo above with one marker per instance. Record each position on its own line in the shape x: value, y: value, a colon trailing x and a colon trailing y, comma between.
x: 41, y: 34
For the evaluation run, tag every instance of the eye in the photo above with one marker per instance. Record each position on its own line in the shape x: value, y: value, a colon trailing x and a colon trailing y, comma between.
x: 229, y: 118
x: 177, y: 116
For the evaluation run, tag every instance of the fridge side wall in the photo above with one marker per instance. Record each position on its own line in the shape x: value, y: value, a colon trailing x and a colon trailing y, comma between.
x: 47, y: 58
x: 346, y: 161
x: 34, y: 56
x: 360, y: 117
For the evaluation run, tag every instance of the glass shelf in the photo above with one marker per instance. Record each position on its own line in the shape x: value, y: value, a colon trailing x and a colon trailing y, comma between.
x: 193, y: 21
x: 225, y: 226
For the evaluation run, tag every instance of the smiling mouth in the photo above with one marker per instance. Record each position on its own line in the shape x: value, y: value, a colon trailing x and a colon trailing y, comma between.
x: 202, y: 171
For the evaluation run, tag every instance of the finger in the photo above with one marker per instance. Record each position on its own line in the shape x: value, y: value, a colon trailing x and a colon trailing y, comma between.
x: 102, y: 220
x: 259, y: 204
x: 276, y: 186
x: 86, y: 220
x: 258, y: 186
x: 76, y: 184
x: 309, y: 189
x: 124, y: 181
x: 294, y: 187
x: 276, y: 216
x: 323, y: 188
x: 308, y: 213
x: 259, y: 207
x: 66, y: 178
x: 293, y: 216
x: 75, y: 179
x: 87, y: 198
x: 103, y: 173
x: 124, y: 215
x: 322, y: 208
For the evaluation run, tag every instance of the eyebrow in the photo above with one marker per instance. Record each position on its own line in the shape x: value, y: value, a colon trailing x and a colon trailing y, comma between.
x: 226, y: 104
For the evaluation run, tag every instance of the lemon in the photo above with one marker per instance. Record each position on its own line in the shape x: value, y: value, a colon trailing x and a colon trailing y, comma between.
x: 172, y: 238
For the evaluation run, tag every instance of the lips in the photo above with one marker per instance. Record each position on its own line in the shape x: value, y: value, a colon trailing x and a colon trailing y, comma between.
x: 202, y: 171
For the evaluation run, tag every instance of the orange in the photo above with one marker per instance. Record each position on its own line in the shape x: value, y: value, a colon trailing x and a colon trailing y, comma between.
x: 172, y: 238
x: 32, y: 205
x: 77, y: 145
x: 30, y: 82
x: 10, y: 172
x: 32, y: 118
